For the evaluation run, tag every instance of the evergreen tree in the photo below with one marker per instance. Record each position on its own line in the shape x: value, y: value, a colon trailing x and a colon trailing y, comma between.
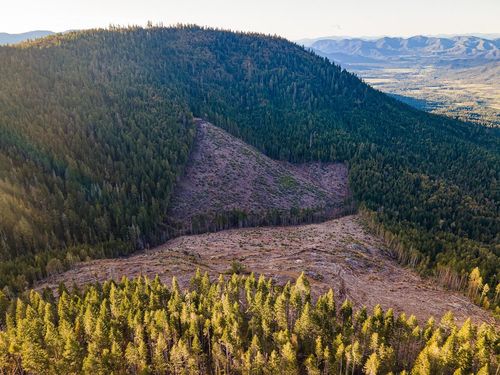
x: 163, y: 330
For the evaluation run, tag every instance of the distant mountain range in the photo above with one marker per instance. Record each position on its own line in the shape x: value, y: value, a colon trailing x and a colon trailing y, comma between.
x: 309, y: 41
x: 6, y: 38
x: 454, y: 75
x: 421, y: 50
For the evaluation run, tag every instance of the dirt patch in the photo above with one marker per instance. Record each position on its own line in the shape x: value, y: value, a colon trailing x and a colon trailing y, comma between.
x: 338, y: 254
x: 225, y: 174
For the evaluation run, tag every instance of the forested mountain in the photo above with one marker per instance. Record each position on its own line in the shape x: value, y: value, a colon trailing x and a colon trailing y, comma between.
x: 96, y: 126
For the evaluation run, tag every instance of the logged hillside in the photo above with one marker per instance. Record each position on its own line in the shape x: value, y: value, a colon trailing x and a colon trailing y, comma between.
x: 339, y: 254
x: 96, y: 128
x: 227, y: 183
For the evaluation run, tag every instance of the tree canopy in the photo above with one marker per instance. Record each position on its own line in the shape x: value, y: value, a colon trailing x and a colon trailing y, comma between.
x: 234, y: 325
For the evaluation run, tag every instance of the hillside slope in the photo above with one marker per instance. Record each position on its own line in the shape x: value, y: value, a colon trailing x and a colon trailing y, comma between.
x: 226, y: 178
x: 338, y: 254
x: 96, y: 128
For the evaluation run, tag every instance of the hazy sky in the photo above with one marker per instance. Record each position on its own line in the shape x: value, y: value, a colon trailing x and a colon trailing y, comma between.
x: 290, y: 18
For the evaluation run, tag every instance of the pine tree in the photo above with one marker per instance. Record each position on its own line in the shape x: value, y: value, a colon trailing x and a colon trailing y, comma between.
x: 92, y: 363
x: 160, y: 355
x: 372, y: 365
x: 147, y: 328
x: 72, y: 354
x: 35, y: 358
x: 4, y: 304
x: 311, y: 366
x: 288, y: 360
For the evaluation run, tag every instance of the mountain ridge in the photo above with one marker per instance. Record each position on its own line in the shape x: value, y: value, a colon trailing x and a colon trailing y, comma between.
x: 420, y: 50
x: 6, y: 38
x: 308, y: 41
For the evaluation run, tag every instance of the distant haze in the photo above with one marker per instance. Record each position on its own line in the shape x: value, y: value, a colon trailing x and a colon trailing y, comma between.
x: 292, y: 19
x: 416, y: 50
x: 6, y: 38
x: 310, y: 41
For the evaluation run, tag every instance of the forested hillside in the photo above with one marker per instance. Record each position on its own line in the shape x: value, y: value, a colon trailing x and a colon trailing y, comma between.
x: 241, y: 325
x: 96, y: 126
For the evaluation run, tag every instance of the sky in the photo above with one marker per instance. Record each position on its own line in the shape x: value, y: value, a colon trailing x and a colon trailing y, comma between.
x: 293, y: 19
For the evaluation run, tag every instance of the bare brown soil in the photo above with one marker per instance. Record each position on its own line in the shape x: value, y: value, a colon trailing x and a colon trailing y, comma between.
x: 226, y: 174
x: 338, y: 254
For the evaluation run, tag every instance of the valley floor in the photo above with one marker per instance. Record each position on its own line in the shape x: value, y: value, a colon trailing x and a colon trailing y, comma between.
x: 470, y: 94
x: 338, y: 254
